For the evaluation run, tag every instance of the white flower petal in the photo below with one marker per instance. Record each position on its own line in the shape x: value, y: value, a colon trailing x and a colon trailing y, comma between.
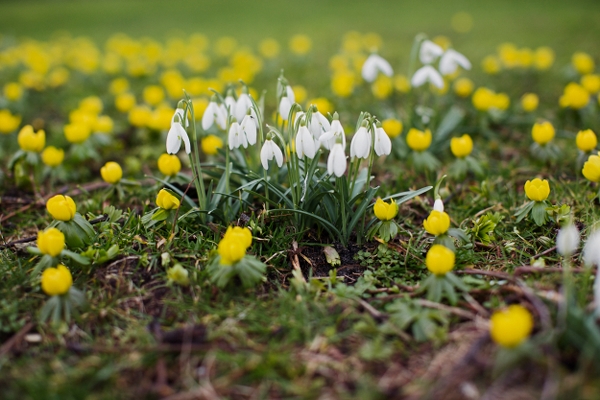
x: 284, y: 108
x: 290, y: 94
x: 249, y: 128
x: 567, y: 240
x: 242, y: 106
x: 373, y: 65
x: 427, y: 74
x: 174, y: 137
x: 305, y: 143
x: 451, y: 60
x: 429, y: 52
x: 438, y: 205
x: 336, y: 162
x: 383, y: 144
x: 360, y: 146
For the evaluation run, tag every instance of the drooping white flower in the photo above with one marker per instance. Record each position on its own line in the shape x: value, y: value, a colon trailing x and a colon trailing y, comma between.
x: 318, y: 125
x: 269, y: 151
x: 285, y: 106
x: 305, y: 143
x: 179, y: 116
x: 290, y: 94
x: 360, y: 146
x: 230, y: 103
x: 236, y: 137
x: 567, y: 240
x: 438, y: 205
x: 429, y: 52
x: 214, y: 113
x: 176, y: 135
x: 336, y: 162
x: 336, y: 132
x: 451, y: 60
x: 427, y: 74
x: 249, y: 128
x: 242, y: 106
x: 591, y: 250
x: 373, y: 65
x: 383, y: 144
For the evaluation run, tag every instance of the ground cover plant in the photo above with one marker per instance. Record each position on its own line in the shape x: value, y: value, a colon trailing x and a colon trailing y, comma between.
x: 196, y: 217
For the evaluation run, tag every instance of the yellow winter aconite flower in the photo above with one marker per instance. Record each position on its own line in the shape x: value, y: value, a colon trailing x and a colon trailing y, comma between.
x: 239, y: 234
x: 543, y: 58
x: 166, y: 200
x: 211, y: 144
x: 392, y: 127
x: 51, y: 241
x: 8, y: 122
x: 56, y: 281
x: 53, y: 157
x: 437, y: 223
x: 382, y: 87
x: 300, y: 44
x: 529, y: 102
x: 385, y: 211
x: 586, y: 140
x: 323, y: 105
x: 511, y: 326
x: 232, y: 248
x: 537, y: 189
x: 342, y: 83
x: 103, y: 124
x: 91, y: 104
x: 542, y: 132
x: 401, y: 84
x: 125, y: 102
x: 169, y: 164
x: 591, y: 169
x: 463, y: 87
x: 439, y: 260
x: 13, y: 91
x: 574, y: 96
x: 77, y: 133
x: 583, y: 63
x: 153, y: 95
x: 31, y: 141
x: 501, y: 101
x: 483, y: 99
x: 140, y: 115
x: 591, y: 83
x: 61, y: 207
x: 118, y: 86
x: 269, y: 48
x: 461, y: 146
x: 491, y: 65
x: 111, y: 172
x: 418, y: 140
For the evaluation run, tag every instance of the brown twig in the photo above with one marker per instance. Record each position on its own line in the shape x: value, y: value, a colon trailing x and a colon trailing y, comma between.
x: 16, y: 338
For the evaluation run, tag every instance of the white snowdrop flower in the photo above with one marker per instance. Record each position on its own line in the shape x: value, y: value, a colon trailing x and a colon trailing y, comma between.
x: 451, y: 60
x: 269, y: 151
x: 290, y: 94
x: 176, y: 135
x: 427, y: 74
x: 230, y: 103
x: 180, y: 115
x: 360, y: 146
x: 336, y: 162
x: 305, y: 143
x: 236, y: 137
x: 214, y: 113
x: 329, y: 138
x: 284, y: 108
x: 591, y: 250
x: 318, y: 125
x: 438, y: 205
x: 373, y: 65
x: 383, y: 144
x: 242, y: 106
x: 249, y: 128
x: 429, y: 52
x: 567, y: 240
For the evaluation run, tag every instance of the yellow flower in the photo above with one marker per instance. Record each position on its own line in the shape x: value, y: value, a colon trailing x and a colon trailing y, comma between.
x: 591, y: 169
x: 491, y: 65
x: 240, y: 235
x: 501, y: 101
x: 53, y: 157
x: 8, y: 122
x: 483, y: 99
x: 583, y: 63
x: 591, y: 83
x: 418, y: 140
x: 51, y: 241
x: 30, y: 141
x: 300, y: 44
x: 179, y: 275
x: 401, y: 84
x: 529, y: 102
x: 385, y: 211
x: 111, y: 172
x: 543, y: 58
x: 269, y: 48
x: 323, y: 105
x: 511, y: 326
x: 463, y: 87
x: 225, y: 46
x: 77, y: 133
x: 542, y: 132
x: 13, y: 91
x: 461, y: 146
x: 169, y: 164
x: 61, y: 207
x: 230, y: 251
x: 574, y: 96
x: 439, y: 260
x: 437, y: 223
x: 91, y: 104
x: 392, y: 127
x: 537, y: 189
x: 153, y: 94
x: 104, y: 124
x: 140, y: 115
x: 56, y: 281
x: 382, y: 87
x: 118, y: 86
x: 125, y: 102
x: 166, y: 200
x: 342, y: 83
x: 211, y: 144
x: 586, y: 140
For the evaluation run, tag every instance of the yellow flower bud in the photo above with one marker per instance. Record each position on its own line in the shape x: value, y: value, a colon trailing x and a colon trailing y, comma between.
x: 8, y: 122
x: 239, y: 234
x: 56, y: 281
x: 491, y: 65
x: 501, y: 101
x: 153, y: 95
x: 583, y: 63
x: 542, y: 132
x: 211, y: 144
x: 300, y: 44
x: 483, y: 99
x: 529, y: 102
x: 401, y: 84
x: 104, y: 124
x: 125, y: 102
x: 322, y: 104
x: 537, y: 189
x: 586, y: 140
x: 139, y: 115
x: 51, y: 241
x: 53, y: 157
x: 591, y: 169
x: 511, y: 326
x: 382, y: 87
x: 385, y: 211
x: 166, y: 200
x: 543, y: 58
x: 463, y: 87
x: 231, y: 251
x: 437, y: 223
x: 461, y: 146
x: 591, y: 83
x: 439, y: 260
x: 392, y: 127
x: 418, y: 140
x: 342, y: 83
x: 574, y: 96
x: 61, y: 207
x: 13, y: 91
x: 77, y: 132
x: 169, y: 164
x: 111, y: 172
x: 30, y: 141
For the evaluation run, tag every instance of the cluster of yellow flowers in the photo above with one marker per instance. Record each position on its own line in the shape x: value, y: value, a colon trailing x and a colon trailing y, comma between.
x: 509, y: 56
x: 485, y: 99
x: 232, y: 248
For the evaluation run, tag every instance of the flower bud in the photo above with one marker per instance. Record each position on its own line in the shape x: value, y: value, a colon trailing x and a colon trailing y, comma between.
x: 542, y: 132
x: 169, y: 164
x: 567, y: 240
x: 53, y: 157
x: 111, y: 172
x: 166, y: 200
x: 510, y: 327
x: 51, y: 241
x: 537, y: 189
x: 418, y: 140
x: 30, y: 141
x: 437, y: 223
x: 61, y: 207
x: 461, y: 146
x: 385, y: 211
x: 591, y: 169
x: 439, y: 260
x: 56, y: 281
x: 586, y: 140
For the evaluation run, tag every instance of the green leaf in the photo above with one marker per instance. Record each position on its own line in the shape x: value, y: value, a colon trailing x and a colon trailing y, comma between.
x: 539, y: 213
x: 75, y: 257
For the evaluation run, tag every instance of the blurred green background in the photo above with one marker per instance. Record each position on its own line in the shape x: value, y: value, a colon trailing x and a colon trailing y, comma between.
x: 564, y: 25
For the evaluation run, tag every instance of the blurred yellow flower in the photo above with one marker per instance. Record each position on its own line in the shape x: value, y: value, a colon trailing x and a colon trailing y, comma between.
x: 225, y: 46
x: 125, y: 102
x: 591, y: 169
x: 501, y: 101
x: 232, y: 248
x: 153, y: 95
x: 300, y: 44
x: 13, y: 91
x: 178, y: 275
x: 385, y: 211
x: 118, y: 86
x: 591, y: 83
x: 300, y: 93
x: 169, y: 164
x: 323, y: 105
x: 382, y: 87
x: 91, y: 104
x: 392, y: 127
x: 511, y: 326
x: 31, y: 141
x: 342, y: 83
x: 461, y: 146
x: 537, y: 189
x: 463, y: 87
x: 269, y: 48
x: 56, y: 281
x: 51, y: 241
x: 574, y: 96
x: 586, y: 140
x: 543, y: 58
x: 437, y: 223
x: 583, y: 63
x: 483, y: 99
x: 53, y: 157
x: 529, y: 102
x: 76, y: 133
x: 111, y: 172
x: 491, y: 65
x: 104, y: 124
x: 439, y: 260
x: 542, y: 132
x: 61, y: 207
x: 139, y: 115
x: 8, y: 122
x: 401, y: 84
x: 211, y: 144
x: 166, y: 200
x: 418, y: 140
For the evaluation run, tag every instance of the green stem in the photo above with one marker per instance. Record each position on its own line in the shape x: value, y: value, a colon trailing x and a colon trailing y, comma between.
x: 195, y: 161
